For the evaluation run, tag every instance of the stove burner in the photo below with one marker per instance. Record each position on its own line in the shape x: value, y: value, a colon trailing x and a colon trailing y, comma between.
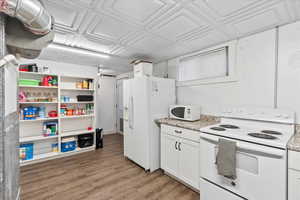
x: 229, y: 126
x: 218, y: 128
x: 263, y: 136
x: 271, y: 132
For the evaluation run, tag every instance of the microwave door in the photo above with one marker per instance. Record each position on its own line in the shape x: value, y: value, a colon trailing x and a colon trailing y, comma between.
x: 178, y: 112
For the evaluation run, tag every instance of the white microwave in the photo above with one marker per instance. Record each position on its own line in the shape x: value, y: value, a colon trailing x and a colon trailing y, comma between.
x: 185, y: 112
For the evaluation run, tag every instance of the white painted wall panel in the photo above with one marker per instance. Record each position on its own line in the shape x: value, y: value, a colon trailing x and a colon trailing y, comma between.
x: 256, y: 78
x: 66, y: 69
x: 160, y: 69
x: 289, y: 68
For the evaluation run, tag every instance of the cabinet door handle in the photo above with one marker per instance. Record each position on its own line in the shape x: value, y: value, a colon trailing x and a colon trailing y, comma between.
x: 176, y: 145
x: 179, y: 146
x: 179, y: 132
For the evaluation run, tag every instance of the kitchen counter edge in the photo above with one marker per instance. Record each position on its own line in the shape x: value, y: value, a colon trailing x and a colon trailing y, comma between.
x: 205, y: 120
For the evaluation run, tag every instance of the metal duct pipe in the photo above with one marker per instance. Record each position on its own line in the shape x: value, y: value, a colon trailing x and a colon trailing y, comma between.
x: 8, y: 59
x: 30, y: 12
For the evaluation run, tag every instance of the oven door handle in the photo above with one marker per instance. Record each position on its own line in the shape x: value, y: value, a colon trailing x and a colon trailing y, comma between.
x: 248, y: 147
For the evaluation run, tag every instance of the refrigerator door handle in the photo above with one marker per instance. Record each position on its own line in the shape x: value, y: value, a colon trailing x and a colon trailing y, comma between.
x: 132, y: 112
x: 129, y: 113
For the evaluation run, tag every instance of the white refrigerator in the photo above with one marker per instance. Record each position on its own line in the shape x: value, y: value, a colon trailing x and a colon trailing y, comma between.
x: 145, y: 99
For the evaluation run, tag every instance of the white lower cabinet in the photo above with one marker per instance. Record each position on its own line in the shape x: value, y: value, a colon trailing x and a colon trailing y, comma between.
x: 294, y: 175
x: 180, y: 155
x: 189, y: 162
x: 294, y: 184
x: 171, y: 155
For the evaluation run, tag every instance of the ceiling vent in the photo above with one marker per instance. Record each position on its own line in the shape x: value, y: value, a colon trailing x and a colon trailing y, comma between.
x: 30, y: 29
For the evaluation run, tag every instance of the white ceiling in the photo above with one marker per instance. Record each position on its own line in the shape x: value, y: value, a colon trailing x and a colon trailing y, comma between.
x: 158, y: 29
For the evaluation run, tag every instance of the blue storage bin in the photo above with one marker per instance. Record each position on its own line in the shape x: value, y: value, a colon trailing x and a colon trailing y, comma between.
x: 26, y: 151
x: 68, y: 146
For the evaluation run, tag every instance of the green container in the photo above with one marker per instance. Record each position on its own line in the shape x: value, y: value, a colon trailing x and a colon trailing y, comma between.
x: 29, y: 82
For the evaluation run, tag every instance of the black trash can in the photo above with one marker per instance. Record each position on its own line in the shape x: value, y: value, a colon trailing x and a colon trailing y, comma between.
x: 99, y: 138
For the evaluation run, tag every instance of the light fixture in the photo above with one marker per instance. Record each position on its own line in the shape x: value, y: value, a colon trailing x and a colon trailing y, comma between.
x: 79, y: 51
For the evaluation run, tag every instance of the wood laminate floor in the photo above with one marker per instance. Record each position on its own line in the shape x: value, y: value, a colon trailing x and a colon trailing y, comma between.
x: 99, y: 175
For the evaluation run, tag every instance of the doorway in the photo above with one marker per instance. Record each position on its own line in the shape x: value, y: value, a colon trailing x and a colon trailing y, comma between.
x: 106, y: 104
x: 119, y: 96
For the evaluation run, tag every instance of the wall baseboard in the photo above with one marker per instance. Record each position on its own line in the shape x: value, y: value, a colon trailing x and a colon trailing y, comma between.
x: 119, y: 132
x: 108, y: 132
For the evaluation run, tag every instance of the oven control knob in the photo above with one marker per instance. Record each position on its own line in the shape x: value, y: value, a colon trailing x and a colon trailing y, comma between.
x: 233, y: 183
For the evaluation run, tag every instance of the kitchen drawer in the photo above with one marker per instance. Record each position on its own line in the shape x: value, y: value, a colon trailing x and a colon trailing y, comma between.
x: 294, y: 160
x: 210, y: 191
x: 181, y: 132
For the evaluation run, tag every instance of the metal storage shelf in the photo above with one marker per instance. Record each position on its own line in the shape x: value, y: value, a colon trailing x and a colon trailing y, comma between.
x: 60, y: 119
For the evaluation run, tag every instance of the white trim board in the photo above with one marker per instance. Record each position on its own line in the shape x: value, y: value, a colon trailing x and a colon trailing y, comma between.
x: 108, y: 132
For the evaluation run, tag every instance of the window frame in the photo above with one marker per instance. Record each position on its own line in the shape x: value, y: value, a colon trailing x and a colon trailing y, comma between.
x: 231, y: 66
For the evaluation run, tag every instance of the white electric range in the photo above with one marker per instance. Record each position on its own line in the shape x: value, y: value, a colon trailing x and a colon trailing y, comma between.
x: 261, y: 136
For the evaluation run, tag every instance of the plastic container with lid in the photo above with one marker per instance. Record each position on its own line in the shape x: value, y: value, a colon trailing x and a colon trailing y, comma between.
x: 68, y: 144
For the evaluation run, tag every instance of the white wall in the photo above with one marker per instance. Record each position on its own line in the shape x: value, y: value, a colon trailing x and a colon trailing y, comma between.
x: 289, y: 68
x: 64, y: 68
x: 106, y: 109
x: 160, y: 69
x: 258, y: 84
x: 255, y: 84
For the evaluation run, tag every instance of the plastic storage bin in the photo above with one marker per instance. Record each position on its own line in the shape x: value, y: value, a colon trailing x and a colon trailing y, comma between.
x: 26, y: 151
x: 85, y: 98
x: 30, y: 113
x: 142, y: 69
x: 29, y: 82
x: 85, y: 140
x: 68, y: 144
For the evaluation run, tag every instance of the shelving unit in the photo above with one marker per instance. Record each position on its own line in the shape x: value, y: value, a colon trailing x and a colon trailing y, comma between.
x: 68, y: 125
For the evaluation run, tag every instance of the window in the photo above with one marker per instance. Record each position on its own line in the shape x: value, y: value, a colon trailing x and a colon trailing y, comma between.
x: 205, y: 65
x: 209, y: 66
